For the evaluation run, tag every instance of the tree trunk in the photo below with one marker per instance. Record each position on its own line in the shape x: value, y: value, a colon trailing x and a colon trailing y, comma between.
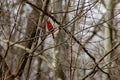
x: 59, y: 50
x: 108, y: 36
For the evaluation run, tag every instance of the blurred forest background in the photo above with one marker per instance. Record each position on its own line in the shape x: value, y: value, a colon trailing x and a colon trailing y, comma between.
x: 86, y: 44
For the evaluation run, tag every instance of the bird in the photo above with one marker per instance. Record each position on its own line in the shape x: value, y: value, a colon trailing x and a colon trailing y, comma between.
x: 50, y: 28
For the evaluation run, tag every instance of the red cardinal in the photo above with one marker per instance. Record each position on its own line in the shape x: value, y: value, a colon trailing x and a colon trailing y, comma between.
x: 50, y: 28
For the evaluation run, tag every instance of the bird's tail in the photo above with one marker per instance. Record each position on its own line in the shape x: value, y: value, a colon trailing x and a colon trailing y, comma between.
x: 53, y: 36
